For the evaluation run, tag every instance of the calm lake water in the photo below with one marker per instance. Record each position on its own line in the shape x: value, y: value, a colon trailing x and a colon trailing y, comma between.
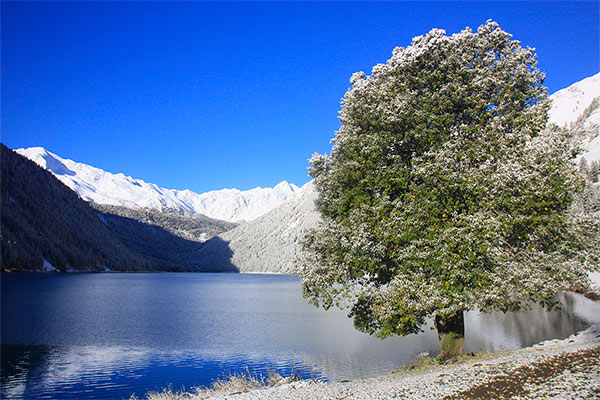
x: 84, y: 336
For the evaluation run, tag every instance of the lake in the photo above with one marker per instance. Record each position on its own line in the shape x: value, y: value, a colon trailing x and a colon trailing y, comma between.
x: 108, y: 336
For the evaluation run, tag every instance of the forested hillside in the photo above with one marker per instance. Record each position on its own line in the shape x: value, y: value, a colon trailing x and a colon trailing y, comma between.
x: 196, y: 227
x: 46, y: 225
x: 585, y: 131
x: 168, y: 238
x: 270, y: 243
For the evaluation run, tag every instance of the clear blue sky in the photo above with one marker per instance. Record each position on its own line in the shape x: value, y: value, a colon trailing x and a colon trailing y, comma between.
x: 211, y: 95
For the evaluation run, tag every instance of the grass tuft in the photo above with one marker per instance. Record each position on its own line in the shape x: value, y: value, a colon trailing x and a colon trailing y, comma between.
x: 424, y: 362
x: 235, y: 383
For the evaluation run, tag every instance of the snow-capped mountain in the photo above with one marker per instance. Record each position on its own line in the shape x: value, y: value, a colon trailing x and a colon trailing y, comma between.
x: 98, y: 186
x: 576, y: 104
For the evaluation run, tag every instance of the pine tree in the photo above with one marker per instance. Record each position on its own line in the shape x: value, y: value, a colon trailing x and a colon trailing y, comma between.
x: 444, y: 192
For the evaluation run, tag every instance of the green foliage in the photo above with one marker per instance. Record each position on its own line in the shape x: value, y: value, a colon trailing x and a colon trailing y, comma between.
x: 443, y: 191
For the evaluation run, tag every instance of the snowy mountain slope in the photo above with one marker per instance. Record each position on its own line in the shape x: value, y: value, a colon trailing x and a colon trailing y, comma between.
x: 98, y: 186
x: 593, y: 150
x: 578, y: 106
x: 270, y: 243
x: 569, y: 103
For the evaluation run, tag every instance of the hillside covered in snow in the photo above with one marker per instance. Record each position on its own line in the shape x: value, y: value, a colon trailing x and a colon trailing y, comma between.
x: 578, y: 107
x: 102, y: 187
x: 569, y: 103
x: 270, y: 243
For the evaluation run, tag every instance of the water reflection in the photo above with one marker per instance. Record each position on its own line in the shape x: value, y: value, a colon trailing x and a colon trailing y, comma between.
x: 509, y: 331
x: 88, y: 372
x: 109, y: 336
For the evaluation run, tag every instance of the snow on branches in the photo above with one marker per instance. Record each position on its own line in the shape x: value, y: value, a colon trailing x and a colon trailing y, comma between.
x: 444, y: 190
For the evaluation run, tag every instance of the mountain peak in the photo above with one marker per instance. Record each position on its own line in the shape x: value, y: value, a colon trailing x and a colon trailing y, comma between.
x: 102, y: 187
x: 46, y: 160
x: 284, y: 186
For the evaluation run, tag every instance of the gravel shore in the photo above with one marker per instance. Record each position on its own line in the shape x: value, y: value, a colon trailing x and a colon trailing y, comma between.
x: 557, y: 369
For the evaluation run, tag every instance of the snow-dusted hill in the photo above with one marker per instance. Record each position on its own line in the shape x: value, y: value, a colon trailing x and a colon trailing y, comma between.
x: 569, y: 103
x: 270, y: 243
x: 98, y: 186
x: 579, y: 104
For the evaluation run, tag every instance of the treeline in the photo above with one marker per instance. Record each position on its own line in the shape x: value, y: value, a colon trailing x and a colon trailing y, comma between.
x: 589, y: 202
x: 195, y: 227
x: 168, y: 238
x: 580, y: 129
x: 583, y: 131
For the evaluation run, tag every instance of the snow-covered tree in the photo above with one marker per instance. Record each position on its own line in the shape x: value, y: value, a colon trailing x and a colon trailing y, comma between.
x: 444, y: 192
x: 594, y: 171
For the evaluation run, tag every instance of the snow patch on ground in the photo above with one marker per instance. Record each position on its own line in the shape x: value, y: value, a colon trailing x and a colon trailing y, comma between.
x: 47, y: 267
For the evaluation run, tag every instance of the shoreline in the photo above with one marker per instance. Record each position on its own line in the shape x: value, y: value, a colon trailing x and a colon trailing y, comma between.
x: 553, y: 369
x: 556, y: 364
x: 593, y: 293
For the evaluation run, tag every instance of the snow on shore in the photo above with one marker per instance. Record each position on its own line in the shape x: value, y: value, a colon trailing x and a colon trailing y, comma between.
x: 556, y: 369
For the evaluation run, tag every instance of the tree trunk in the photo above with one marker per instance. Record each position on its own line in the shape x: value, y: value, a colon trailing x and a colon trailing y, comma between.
x: 451, y: 332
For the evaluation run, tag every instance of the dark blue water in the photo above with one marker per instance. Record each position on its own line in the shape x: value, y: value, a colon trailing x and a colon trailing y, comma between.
x: 81, y: 336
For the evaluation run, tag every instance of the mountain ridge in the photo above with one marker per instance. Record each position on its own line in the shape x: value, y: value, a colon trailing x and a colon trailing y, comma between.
x: 96, y: 185
x: 46, y: 226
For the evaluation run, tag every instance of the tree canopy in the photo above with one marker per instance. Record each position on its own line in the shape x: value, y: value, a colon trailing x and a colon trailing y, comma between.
x: 444, y: 190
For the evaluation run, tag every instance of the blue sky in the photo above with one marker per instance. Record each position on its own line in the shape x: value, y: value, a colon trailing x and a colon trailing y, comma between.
x: 202, y: 96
